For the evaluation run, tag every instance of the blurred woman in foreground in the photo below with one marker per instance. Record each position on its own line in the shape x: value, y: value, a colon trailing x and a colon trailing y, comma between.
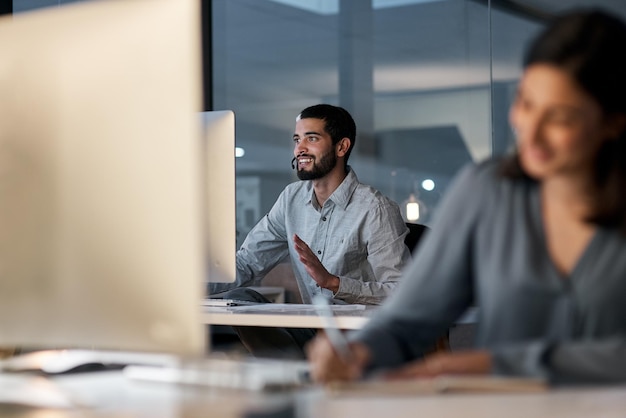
x: 536, y: 240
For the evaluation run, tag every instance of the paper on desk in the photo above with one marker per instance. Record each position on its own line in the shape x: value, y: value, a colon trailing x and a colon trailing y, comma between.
x: 440, y: 384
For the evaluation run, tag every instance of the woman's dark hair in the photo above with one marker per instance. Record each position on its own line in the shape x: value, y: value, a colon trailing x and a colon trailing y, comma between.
x: 590, y: 45
x: 339, y: 123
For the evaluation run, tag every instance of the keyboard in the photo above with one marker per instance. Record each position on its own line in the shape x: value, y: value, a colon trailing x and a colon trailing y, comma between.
x: 217, y: 303
x: 215, y: 370
x: 248, y: 374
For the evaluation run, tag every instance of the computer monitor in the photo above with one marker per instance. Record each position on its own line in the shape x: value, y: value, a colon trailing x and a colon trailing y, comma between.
x: 221, y: 212
x: 101, y: 197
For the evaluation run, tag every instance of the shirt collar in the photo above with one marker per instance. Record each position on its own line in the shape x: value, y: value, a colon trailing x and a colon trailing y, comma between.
x: 342, y: 194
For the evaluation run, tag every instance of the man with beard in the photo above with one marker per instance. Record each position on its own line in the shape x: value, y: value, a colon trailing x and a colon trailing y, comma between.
x: 344, y: 239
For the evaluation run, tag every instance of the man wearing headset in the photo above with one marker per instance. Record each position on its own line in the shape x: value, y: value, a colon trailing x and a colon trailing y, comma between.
x: 343, y: 238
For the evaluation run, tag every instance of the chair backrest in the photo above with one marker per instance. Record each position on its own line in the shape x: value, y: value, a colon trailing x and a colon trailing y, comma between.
x: 415, y: 234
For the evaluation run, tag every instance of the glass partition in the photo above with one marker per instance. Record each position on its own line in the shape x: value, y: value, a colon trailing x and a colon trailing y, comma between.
x: 415, y: 75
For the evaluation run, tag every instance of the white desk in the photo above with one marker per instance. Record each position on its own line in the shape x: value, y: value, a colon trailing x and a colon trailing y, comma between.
x: 109, y: 394
x: 303, y: 318
x: 275, y: 315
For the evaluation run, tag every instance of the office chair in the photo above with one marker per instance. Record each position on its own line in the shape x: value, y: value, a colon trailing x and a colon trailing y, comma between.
x: 415, y: 234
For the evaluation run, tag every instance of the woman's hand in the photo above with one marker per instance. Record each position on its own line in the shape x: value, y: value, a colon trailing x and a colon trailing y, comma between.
x: 462, y: 362
x: 328, y: 366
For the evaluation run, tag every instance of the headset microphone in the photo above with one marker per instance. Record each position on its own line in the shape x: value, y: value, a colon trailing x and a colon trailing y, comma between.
x: 293, y: 166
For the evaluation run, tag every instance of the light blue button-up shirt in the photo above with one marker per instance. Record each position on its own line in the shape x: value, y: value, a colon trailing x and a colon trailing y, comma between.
x: 358, y: 235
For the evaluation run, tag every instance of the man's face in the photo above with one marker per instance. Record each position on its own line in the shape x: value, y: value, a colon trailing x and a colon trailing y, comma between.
x: 313, y: 149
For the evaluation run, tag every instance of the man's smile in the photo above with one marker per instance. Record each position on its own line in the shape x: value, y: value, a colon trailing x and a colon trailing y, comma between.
x: 302, y: 161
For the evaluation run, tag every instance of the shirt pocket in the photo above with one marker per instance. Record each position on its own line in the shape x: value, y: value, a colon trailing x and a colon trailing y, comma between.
x: 354, y: 253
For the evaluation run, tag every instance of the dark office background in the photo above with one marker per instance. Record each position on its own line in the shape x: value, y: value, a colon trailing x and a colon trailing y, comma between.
x: 429, y: 83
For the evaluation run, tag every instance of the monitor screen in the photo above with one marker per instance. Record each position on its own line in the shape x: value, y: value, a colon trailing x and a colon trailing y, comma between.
x: 101, y: 191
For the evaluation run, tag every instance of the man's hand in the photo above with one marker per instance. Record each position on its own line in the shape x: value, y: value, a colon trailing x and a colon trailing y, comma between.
x: 314, y: 267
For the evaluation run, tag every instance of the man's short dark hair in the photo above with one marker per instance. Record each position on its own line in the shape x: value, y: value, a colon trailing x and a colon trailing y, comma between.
x: 339, y: 123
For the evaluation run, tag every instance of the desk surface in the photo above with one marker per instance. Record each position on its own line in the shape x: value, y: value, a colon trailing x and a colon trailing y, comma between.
x: 297, y: 316
x: 286, y: 315
x: 553, y: 404
x: 110, y: 394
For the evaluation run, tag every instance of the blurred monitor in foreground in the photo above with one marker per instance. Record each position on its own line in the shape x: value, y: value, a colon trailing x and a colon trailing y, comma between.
x: 101, y: 192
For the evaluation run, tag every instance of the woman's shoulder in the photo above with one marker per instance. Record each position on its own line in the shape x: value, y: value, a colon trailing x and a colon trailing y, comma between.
x: 484, y: 171
x: 492, y: 169
x: 486, y: 178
